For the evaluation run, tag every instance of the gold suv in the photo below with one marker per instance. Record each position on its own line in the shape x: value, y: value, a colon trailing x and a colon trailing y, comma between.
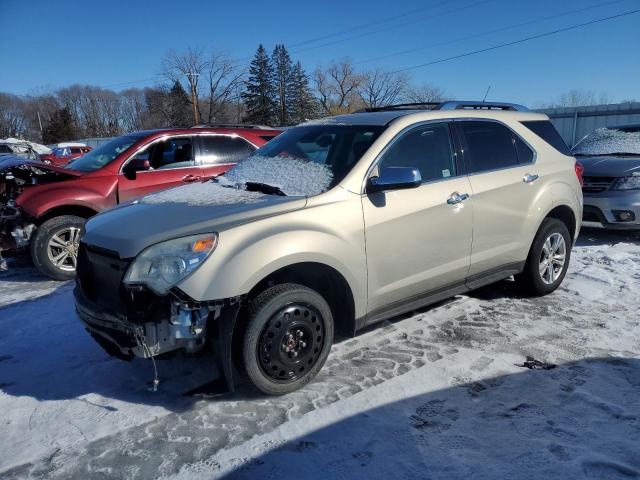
x: 332, y: 226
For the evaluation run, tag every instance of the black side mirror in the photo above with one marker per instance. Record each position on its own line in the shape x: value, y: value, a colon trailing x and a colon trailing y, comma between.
x: 394, y: 178
x: 136, y: 165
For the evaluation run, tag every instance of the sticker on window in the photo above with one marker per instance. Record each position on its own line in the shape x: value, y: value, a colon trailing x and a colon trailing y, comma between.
x: 446, y: 173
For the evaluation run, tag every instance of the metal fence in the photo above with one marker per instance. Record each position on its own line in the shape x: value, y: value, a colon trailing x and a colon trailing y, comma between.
x: 574, y: 123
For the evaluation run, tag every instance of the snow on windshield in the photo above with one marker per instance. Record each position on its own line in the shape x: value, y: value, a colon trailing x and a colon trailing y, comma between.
x: 292, y: 176
x: 207, y: 193
x: 605, y: 141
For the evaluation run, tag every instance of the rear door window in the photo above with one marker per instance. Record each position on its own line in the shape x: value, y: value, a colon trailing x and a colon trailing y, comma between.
x: 492, y: 146
x: 221, y: 149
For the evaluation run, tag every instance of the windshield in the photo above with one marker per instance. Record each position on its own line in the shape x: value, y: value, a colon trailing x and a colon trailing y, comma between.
x: 104, y: 154
x: 609, y: 141
x: 305, y: 160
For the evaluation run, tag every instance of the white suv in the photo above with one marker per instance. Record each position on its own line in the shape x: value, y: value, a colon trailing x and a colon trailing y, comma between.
x: 333, y: 225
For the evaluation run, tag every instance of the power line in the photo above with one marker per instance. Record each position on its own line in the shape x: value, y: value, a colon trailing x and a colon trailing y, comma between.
x: 487, y: 32
x: 515, y: 42
x: 393, y: 27
x: 365, y: 25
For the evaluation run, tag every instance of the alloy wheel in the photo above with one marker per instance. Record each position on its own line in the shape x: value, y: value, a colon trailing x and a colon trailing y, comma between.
x: 552, y: 258
x: 62, y: 248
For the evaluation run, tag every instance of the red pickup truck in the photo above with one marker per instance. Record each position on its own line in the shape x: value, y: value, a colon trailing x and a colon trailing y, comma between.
x: 45, y: 206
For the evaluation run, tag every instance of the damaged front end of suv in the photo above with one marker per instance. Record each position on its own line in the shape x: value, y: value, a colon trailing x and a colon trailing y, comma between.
x: 16, y: 174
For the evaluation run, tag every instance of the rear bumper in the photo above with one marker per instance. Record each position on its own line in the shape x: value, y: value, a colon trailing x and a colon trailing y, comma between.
x: 604, y: 209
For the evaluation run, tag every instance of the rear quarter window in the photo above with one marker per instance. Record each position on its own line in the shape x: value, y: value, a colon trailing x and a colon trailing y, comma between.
x: 547, y: 132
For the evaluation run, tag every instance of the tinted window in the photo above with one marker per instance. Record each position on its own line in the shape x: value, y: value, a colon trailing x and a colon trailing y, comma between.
x: 266, y: 138
x: 525, y: 154
x: 545, y: 130
x: 5, y: 149
x: 216, y: 150
x: 490, y: 146
x: 170, y: 153
x: 427, y: 148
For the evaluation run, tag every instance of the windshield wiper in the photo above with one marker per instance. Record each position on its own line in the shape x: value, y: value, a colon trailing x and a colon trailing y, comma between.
x: 264, y: 188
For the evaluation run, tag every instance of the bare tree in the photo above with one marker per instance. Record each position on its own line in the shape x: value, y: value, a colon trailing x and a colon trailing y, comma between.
x: 425, y: 93
x: 580, y: 98
x: 379, y: 88
x: 189, y: 65
x: 225, y: 78
x: 133, y: 109
x: 337, y: 87
x: 12, y: 120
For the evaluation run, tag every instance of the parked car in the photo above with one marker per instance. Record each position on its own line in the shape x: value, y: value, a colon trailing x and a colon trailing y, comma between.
x: 18, y: 149
x: 60, y: 156
x: 611, y: 160
x: 45, y: 206
x: 332, y: 226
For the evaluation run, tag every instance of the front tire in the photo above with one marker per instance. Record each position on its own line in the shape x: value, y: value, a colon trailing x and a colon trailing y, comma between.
x: 548, y: 259
x: 54, y: 246
x: 288, y: 338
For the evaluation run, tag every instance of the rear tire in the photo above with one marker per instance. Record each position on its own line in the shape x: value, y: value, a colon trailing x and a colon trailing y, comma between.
x: 548, y: 259
x: 288, y: 338
x: 54, y: 246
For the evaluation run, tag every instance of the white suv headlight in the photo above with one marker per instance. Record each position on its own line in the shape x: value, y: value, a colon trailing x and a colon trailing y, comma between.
x: 163, y: 265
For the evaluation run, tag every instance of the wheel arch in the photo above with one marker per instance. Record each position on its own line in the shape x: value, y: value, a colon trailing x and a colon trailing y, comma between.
x: 82, y: 211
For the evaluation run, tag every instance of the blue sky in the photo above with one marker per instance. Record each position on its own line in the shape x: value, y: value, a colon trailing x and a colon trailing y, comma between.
x: 48, y: 44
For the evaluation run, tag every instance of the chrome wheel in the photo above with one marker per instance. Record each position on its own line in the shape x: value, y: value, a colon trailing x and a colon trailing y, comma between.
x: 552, y: 258
x: 62, y: 248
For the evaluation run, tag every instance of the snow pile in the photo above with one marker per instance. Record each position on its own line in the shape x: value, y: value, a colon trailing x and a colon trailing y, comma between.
x: 292, y: 176
x: 38, y: 148
x: 206, y: 193
x: 605, y: 141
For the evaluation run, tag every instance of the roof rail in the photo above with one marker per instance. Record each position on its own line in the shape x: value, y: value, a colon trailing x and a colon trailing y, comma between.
x: 403, y: 106
x: 472, y: 105
x: 449, y: 105
x: 231, y: 125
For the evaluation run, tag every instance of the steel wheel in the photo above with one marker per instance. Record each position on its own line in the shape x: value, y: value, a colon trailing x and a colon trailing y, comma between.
x: 291, y: 342
x: 62, y: 248
x: 552, y: 258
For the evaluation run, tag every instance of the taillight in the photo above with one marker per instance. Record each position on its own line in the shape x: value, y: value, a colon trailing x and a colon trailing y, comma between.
x: 579, y: 172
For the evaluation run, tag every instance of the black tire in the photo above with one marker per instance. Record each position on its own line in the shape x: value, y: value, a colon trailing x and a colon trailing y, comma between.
x: 268, y: 345
x: 40, y: 242
x: 530, y: 280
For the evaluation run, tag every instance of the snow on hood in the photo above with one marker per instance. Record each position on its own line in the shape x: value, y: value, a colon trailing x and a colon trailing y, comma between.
x: 40, y: 149
x: 293, y: 176
x: 606, y: 141
x: 206, y: 193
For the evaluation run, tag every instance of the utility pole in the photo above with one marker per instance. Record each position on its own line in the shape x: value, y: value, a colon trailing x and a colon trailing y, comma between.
x: 194, y: 100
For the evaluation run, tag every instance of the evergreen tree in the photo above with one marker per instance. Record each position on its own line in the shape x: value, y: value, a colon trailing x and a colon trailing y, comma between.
x: 178, y: 102
x: 283, y: 82
x: 259, y: 95
x: 303, y: 106
x: 60, y: 128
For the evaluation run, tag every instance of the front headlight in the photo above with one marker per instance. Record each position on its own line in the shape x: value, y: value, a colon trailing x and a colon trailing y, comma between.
x: 162, y: 265
x: 627, y: 183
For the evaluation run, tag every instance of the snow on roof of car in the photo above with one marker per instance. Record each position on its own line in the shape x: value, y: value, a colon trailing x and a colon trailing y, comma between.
x: 41, y: 149
x: 606, y: 141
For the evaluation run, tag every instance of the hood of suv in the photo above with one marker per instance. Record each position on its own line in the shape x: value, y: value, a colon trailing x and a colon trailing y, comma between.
x: 130, y: 228
x: 609, y: 166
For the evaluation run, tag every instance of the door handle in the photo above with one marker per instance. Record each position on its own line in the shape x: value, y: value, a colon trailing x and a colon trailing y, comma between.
x: 191, y: 178
x: 456, y: 197
x: 528, y: 178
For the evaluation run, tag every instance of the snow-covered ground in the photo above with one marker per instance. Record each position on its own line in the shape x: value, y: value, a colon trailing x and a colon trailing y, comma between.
x: 440, y: 394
